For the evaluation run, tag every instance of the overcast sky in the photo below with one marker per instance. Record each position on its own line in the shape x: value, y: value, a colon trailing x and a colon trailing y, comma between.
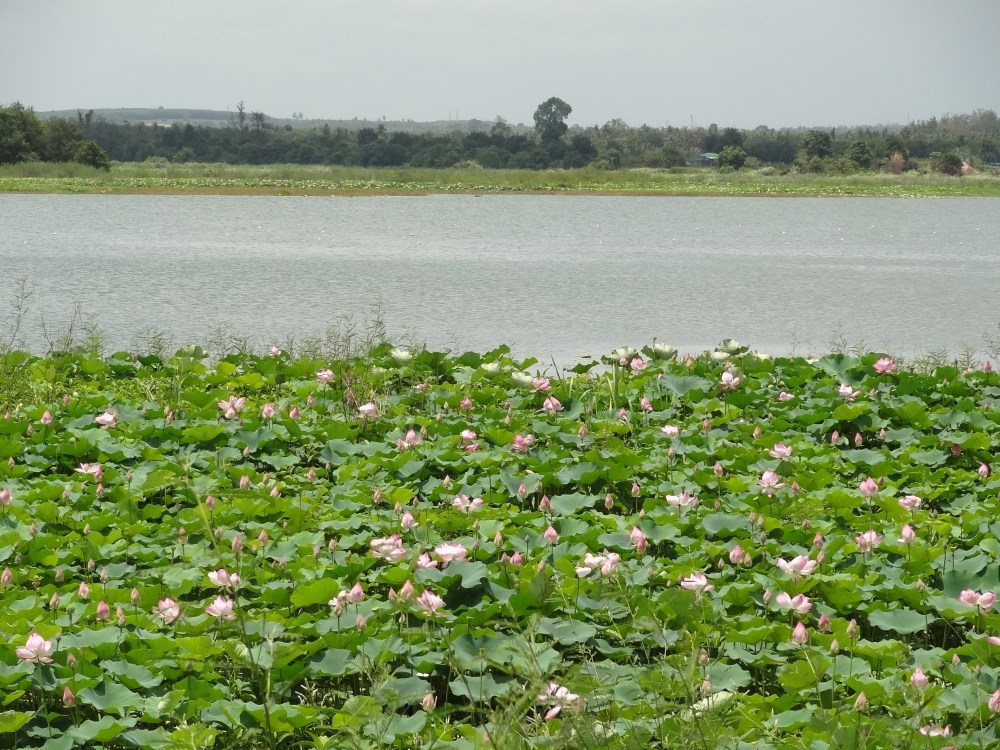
x: 733, y: 62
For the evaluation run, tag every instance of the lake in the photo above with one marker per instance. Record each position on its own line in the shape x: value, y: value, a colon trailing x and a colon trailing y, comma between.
x: 557, y: 277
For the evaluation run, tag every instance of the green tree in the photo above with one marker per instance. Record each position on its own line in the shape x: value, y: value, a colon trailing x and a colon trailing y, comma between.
x: 550, y: 119
x: 949, y: 163
x: 860, y: 153
x: 817, y: 144
x: 92, y: 155
x: 20, y: 134
x: 732, y: 156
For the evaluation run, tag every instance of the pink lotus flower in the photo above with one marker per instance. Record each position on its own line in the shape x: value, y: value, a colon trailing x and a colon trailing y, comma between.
x: 797, y: 566
x: 540, y: 384
x: 906, y: 535
x: 736, y: 555
x: 984, y: 470
x: 994, y: 702
x: 932, y: 731
x: 868, y: 488
x: 221, y: 608
x: 847, y: 393
x: 430, y: 603
x: 167, y: 610
x: 294, y: 414
x: 670, y: 430
x: 606, y: 563
x: 463, y: 503
x: 468, y: 436
x: 638, y: 540
x: 770, y: 482
x: 682, y: 500
x: 428, y: 702
x: 728, y: 381
x: 224, y: 580
x: 408, y: 522
x: 467, y: 404
x: 696, y: 582
x: 412, y: 439
x: 800, y: 635
x: 885, y: 366
x: 638, y: 365
x: 522, y: 443
x: 451, y: 551
x: 868, y: 540
x: 232, y: 407
x: 37, y: 650
x: 645, y: 404
x: 107, y: 420
x: 975, y: 599
x: 551, y: 404
x: 268, y: 411
x: 799, y: 603
x: 425, y: 561
x: 324, y: 376
x: 388, y: 548
x: 783, y: 396
x: 559, y: 698
x: 5, y: 497
x: 909, y: 502
x: 780, y: 451
x: 368, y: 411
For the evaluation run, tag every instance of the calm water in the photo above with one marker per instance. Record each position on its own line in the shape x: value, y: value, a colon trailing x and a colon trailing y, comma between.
x: 553, y: 276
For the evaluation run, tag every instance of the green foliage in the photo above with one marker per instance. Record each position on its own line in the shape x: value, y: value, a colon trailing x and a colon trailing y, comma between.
x: 92, y: 155
x: 550, y: 119
x: 817, y: 144
x: 733, y: 157
x: 860, y: 153
x: 949, y: 163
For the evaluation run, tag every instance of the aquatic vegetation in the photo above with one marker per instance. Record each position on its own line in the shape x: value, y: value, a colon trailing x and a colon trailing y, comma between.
x: 417, y: 549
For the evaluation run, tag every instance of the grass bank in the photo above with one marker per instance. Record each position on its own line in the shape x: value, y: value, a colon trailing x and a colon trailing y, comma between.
x: 224, y: 179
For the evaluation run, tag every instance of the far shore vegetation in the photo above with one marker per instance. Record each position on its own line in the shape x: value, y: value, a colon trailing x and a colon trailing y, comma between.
x: 251, y: 153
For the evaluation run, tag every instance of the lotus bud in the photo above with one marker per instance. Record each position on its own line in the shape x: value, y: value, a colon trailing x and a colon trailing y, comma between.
x: 71, y: 660
x: 134, y: 596
x: 852, y: 628
x: 54, y: 601
x: 262, y: 538
x: 236, y: 545
x: 103, y: 611
x: 68, y: 699
x: 717, y: 469
x: 609, y: 502
x: 104, y: 575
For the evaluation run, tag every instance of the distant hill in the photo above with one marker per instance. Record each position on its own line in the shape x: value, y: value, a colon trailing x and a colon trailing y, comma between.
x: 219, y: 118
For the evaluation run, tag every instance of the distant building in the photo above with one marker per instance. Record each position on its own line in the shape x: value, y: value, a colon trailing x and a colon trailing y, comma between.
x: 708, y: 159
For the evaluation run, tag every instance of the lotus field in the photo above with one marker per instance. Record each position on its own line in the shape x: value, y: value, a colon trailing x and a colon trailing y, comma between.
x: 424, y: 550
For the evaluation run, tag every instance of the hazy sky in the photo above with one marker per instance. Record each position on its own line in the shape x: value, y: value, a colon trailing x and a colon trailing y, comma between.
x: 733, y: 62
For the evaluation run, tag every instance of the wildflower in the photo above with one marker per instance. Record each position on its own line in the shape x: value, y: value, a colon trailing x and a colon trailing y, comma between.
x: 770, y: 482
x: 799, y: 604
x: 107, y: 420
x: 167, y: 610
x: 868, y: 541
x: 797, y: 566
x: 37, y: 650
x: 780, y: 451
x: 885, y: 365
x: 430, y: 603
x: 696, y: 582
x: 221, y: 608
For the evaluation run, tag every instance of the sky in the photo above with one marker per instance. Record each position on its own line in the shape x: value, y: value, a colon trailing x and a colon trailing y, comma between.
x: 739, y: 63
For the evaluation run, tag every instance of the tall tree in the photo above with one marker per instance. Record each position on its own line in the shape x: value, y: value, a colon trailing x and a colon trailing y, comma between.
x: 550, y: 119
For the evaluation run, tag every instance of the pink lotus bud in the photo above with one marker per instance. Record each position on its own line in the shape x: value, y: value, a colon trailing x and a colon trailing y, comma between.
x: 71, y: 660
x: 516, y: 560
x: 795, y: 488
x: 295, y: 414
x: 311, y: 475
x: 858, y: 442
x: 551, y: 535
x: 244, y: 482
x: 60, y: 575
x: 104, y: 575
x: 84, y: 591
x: 918, y: 679
x: 635, y: 489
x: 717, y: 469
x: 237, y: 544
x: 834, y: 437
x: 428, y: 702
x: 134, y: 596
x: 861, y: 702
x: 4, y: 496
x: 955, y: 660
x: 582, y: 432
x: 360, y: 622
x: 747, y: 560
x: 446, y: 482
x: 984, y: 470
x: 609, y: 502
x: 103, y: 611
x: 54, y: 601
x: 522, y: 491
x: 766, y: 597
x: 68, y: 699
x: 120, y: 616
x: 756, y: 433
x: 33, y: 529
x: 545, y: 505
x: 824, y: 623
x: 852, y: 628
x: 262, y: 538
x: 638, y: 539
x: 407, y: 522
x: 182, y: 536
x: 275, y: 492
x: 736, y: 555
x: 498, y: 539
x: 799, y: 634
x: 868, y: 488
x: 47, y: 417
x: 356, y: 594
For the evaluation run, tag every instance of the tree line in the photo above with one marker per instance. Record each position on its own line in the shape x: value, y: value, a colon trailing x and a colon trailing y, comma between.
x: 945, y: 144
